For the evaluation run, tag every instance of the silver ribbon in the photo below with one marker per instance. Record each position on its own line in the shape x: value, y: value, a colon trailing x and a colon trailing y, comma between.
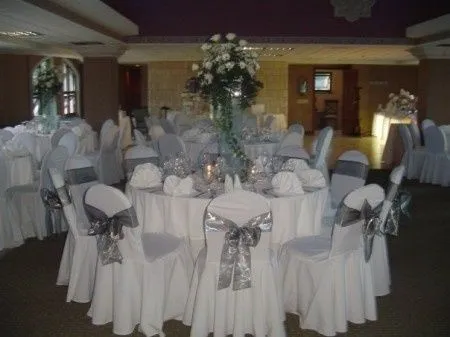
x: 351, y: 168
x: 109, y: 231
x: 81, y: 175
x: 54, y: 201
x: 371, y: 227
x: 400, y: 205
x: 235, y: 261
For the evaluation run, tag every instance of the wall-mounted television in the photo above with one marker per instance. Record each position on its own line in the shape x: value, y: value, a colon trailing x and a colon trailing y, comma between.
x: 322, y: 82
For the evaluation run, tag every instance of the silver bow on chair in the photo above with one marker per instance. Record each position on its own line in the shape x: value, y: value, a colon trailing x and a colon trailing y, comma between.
x: 400, y: 205
x: 371, y: 226
x: 109, y: 231
x: 54, y: 202
x: 235, y: 261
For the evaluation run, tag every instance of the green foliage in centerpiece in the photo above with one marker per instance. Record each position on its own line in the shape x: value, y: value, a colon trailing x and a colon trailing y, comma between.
x: 46, y: 84
x: 227, y: 79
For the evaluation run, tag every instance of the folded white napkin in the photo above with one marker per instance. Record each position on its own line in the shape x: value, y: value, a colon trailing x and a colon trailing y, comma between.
x: 237, y: 183
x: 176, y: 186
x: 15, y: 149
x: 145, y: 176
x: 295, y: 165
x: 228, y: 185
x: 190, y: 134
x: 78, y: 130
x: 286, y: 183
x: 311, y: 178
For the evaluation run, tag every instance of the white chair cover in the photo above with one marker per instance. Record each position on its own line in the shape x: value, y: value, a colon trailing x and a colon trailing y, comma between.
x: 79, y: 259
x: 350, y: 173
x: 379, y: 260
x: 256, y: 310
x: 70, y: 141
x: 291, y: 138
x: 125, y: 129
x: 137, y: 155
x: 322, y: 149
x: 415, y: 134
x: 109, y: 123
x: 293, y: 151
x: 167, y: 126
x: 413, y: 157
x: 10, y: 235
x: 6, y: 135
x: 436, y: 158
x: 150, y: 285
x: 326, y: 280
x: 105, y: 160
x: 297, y: 128
x: 139, y: 138
x: 155, y: 132
x: 57, y: 136
x: 170, y: 145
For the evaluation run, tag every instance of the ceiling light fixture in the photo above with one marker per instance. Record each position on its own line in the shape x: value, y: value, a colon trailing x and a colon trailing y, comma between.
x: 21, y: 34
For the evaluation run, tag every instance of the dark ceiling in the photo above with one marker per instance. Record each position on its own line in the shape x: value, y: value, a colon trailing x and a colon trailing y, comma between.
x: 389, y: 19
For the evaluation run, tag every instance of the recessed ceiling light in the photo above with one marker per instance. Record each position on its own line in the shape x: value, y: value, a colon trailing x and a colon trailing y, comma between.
x: 20, y: 34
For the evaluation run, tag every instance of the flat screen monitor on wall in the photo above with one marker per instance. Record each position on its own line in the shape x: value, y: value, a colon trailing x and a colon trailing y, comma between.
x: 322, y: 82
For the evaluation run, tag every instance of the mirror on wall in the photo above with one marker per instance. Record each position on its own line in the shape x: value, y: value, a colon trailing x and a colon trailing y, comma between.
x: 322, y: 82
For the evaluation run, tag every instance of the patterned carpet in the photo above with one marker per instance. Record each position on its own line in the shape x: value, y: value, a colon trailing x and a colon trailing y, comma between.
x: 32, y: 305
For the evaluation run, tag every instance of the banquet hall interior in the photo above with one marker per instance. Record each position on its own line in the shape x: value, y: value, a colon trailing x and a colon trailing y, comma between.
x: 121, y: 160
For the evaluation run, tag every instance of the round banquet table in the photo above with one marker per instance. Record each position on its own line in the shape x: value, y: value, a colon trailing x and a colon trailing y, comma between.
x: 293, y: 216
x: 193, y: 149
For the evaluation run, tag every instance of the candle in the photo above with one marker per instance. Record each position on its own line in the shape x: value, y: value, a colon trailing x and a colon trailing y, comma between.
x: 208, y: 172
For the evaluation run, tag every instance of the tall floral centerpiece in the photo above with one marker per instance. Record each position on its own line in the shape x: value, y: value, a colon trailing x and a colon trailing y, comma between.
x: 227, y: 80
x: 402, y: 105
x: 46, y: 86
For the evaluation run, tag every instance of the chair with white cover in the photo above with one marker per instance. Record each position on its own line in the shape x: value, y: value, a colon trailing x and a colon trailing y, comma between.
x: 436, y: 158
x: 350, y: 173
x: 139, y: 138
x: 155, y: 132
x: 255, y: 307
x: 109, y: 123
x: 105, y: 160
x: 297, y: 128
x: 293, y: 151
x: 415, y: 134
x: 79, y: 258
x: 10, y: 235
x: 170, y: 145
x: 6, y: 135
x: 326, y: 280
x: 25, y: 206
x: 291, y: 138
x: 57, y: 136
x: 137, y: 155
x: 167, y: 125
x: 151, y: 283
x: 413, y: 156
x: 28, y: 140
x: 70, y: 141
x: 321, y: 151
x: 379, y: 260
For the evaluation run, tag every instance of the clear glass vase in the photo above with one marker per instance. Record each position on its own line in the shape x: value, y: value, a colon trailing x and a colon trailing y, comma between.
x: 48, y: 116
x: 231, y: 162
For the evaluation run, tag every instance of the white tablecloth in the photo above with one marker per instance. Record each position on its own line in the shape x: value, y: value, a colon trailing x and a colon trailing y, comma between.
x: 251, y: 150
x: 293, y: 216
x: 19, y: 170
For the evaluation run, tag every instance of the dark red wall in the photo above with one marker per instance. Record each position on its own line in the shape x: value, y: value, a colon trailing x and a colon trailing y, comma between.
x: 389, y: 18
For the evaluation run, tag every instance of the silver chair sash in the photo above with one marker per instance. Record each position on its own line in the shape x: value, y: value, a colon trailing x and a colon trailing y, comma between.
x: 351, y: 168
x: 54, y: 201
x: 401, y: 200
x: 235, y: 261
x: 81, y: 175
x: 109, y: 231
x: 371, y: 227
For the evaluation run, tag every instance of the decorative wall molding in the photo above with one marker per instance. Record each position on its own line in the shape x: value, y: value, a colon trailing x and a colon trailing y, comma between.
x: 352, y: 10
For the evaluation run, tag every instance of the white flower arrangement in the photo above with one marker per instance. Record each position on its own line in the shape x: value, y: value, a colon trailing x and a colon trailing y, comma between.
x: 403, y: 104
x: 228, y: 69
x: 46, y: 84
